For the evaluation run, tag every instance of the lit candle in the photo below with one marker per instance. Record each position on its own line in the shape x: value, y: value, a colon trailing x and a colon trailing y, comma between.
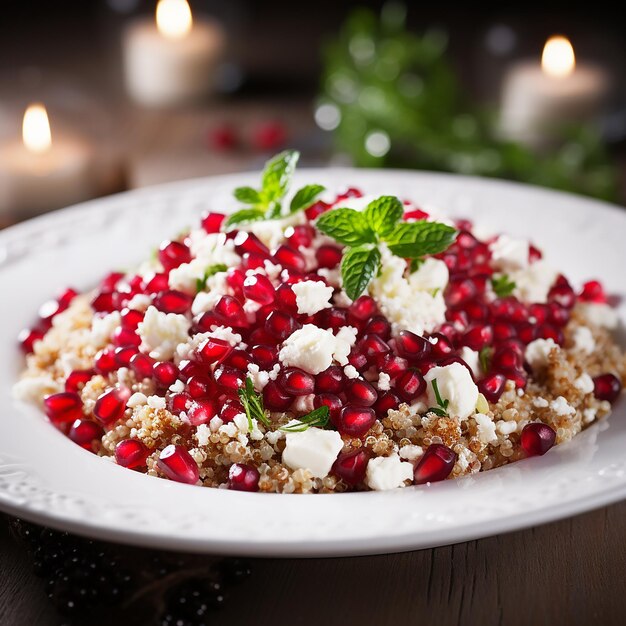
x: 43, y: 172
x: 537, y: 98
x: 172, y: 59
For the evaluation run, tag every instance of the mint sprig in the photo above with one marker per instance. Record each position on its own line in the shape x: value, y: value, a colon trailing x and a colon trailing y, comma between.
x: 266, y: 203
x: 502, y: 285
x: 210, y: 271
x: 252, y: 404
x: 380, y: 222
x: 317, y: 418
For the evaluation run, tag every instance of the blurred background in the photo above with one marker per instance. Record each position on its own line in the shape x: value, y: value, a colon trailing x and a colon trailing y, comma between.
x: 126, y: 95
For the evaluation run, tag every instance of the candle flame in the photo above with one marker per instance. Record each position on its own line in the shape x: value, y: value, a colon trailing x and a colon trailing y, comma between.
x: 36, y: 129
x: 558, y: 57
x: 173, y: 18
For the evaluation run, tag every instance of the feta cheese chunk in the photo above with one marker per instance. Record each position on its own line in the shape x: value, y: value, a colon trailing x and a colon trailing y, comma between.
x: 388, y: 472
x: 533, y: 283
x: 485, y: 428
x: 431, y: 275
x: 600, y: 314
x: 161, y: 332
x: 314, y: 449
x: 472, y: 358
x: 312, y: 296
x: 537, y: 353
x: 509, y: 254
x: 583, y: 340
x: 455, y: 384
x: 584, y: 383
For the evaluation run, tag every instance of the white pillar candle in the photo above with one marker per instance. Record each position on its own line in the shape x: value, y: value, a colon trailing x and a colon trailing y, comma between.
x: 171, y: 60
x: 537, y: 98
x: 43, y: 171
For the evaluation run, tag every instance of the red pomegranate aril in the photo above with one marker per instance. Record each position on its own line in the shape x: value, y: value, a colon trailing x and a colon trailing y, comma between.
x: 231, y: 310
x: 228, y: 377
x: 27, y: 339
x: 537, y: 438
x: 502, y: 331
x: 131, y: 453
x: 110, y: 281
x: 373, y: 347
x: 328, y: 256
x: 358, y: 360
x: 355, y: 420
x: 173, y: 254
x: 393, y: 365
x: 252, y: 261
x: 212, y: 222
x: 350, y: 192
x: 201, y: 411
x: 563, y: 295
x: 435, y: 465
x: 105, y: 362
x: 526, y: 332
x: 239, y: 359
x: 178, y: 465
x: 478, y: 337
x: 230, y: 408
x: 459, y: 291
x: 518, y: 376
x: 441, y: 346
x: 558, y: 315
x: 157, y: 283
x: 258, y: 288
x: 300, y: 235
x: 280, y: 324
x: 410, y: 385
x: 141, y: 364
x: 205, y: 322
x: 534, y: 254
x: 262, y: 337
x: 476, y: 311
x: 334, y: 318
x: 124, y: 354
x: 607, y: 387
x: 172, y: 301
x: 243, y: 477
x: 78, y: 379
x: 234, y: 279
x: 264, y: 356
x: 214, y: 350
x: 130, y: 319
x: 416, y: 214
x: 387, y: 401
x: 289, y: 258
x: 332, y: 401
x: 331, y: 380
x: 316, y: 209
x: 63, y: 407
x: 593, y: 291
x: 503, y: 309
x: 190, y: 368
x: 505, y: 359
x: 104, y: 302
x: 378, y: 325
x: 351, y: 466
x: 200, y: 386
x: 125, y: 337
x: 84, y: 432
x: 363, y: 308
x: 457, y: 318
x: 248, y: 242
x: 111, y: 405
x: 412, y: 346
x: 538, y: 313
x: 360, y: 392
x: 296, y: 382
x: 165, y: 373
x: 492, y: 386
x: 547, y: 331
x: 178, y: 402
x: 275, y: 398
x: 285, y: 299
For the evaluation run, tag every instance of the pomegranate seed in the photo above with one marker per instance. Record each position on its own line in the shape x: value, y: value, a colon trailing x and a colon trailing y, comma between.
x: 130, y: 319
x: 124, y: 355
x: 334, y: 318
x: 351, y: 466
x: 105, y: 362
x: 206, y: 322
x: 296, y: 382
x: 165, y: 373
x: 607, y: 387
x: 285, y: 299
x: 331, y: 380
x: 526, y: 332
x: 280, y: 324
x: 503, y: 309
x: 502, y: 330
x: 537, y: 438
x: 358, y: 360
x: 243, y: 477
x: 104, y: 302
x: 534, y: 254
x: 333, y: 403
x: 177, y: 464
x: 173, y: 254
x: 239, y: 359
x: 201, y: 411
x: 459, y: 319
x: 380, y: 326
x: 214, y: 350
x: 412, y: 346
x: 172, y: 301
x: 199, y: 386
x: 264, y: 356
x: 63, y: 407
x: 212, y: 222
x: 78, y: 379
x: 356, y: 420
x: 261, y: 336
x: 84, y: 433
x: 416, y: 214
x: 275, y: 398
x: 459, y: 291
x: 258, y: 288
x: 316, y: 209
x: 558, y: 315
x: 27, y: 339
x: 538, y: 313
x: 131, y: 453
x: 301, y: 235
x: 110, y: 281
x: 234, y: 279
x: 328, y: 256
x: 436, y: 464
x: 387, y: 401
x: 178, y: 402
x: 593, y: 291
x: 350, y: 192
x: 157, y: 283
x: 360, y: 392
x: 111, y: 405
x: 506, y: 359
x: 363, y: 308
x: 142, y: 365
x: 247, y: 242
x: 492, y: 386
x: 478, y: 337
x: 373, y: 347
x: 393, y: 365
x: 547, y: 331
x: 289, y: 258
x: 230, y: 408
x: 410, y: 385
x: 563, y: 295
x: 228, y: 377
x: 441, y: 347
x: 125, y: 337
x: 231, y: 310
x: 253, y: 260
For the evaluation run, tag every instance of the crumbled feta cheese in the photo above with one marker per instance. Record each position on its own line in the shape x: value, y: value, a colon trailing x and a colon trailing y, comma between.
x: 313, y: 449
x: 215, y: 423
x: 272, y: 232
x: 34, y: 388
x: 103, y: 327
x: 332, y: 276
x: 537, y: 353
x: 241, y: 421
x: 213, y: 248
x: 260, y: 378
x: 344, y: 340
x: 600, y: 314
x: 137, y: 399
x: 388, y: 472
x: 161, y: 332
x: 431, y: 275
x: 156, y: 402
x: 230, y: 429
x: 203, y: 432
x: 273, y: 374
x: 583, y: 340
x: 506, y: 428
x: 509, y: 254
x: 589, y: 415
x: 411, y: 452
x: 226, y: 333
x: 303, y: 404
x: 351, y: 372
x: 273, y: 436
x: 541, y: 403
x: 584, y: 383
x: 312, y: 296
x: 139, y: 302
x: 185, y: 277
x: 205, y: 301
x: 472, y: 358
x: 562, y: 407
x: 455, y: 384
x: 384, y: 381
x: 485, y: 428
x: 533, y: 283
x: 177, y: 386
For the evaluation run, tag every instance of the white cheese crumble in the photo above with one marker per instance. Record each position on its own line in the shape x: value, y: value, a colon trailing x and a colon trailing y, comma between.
x: 537, y: 352
x: 34, y: 388
x: 455, y: 384
x: 312, y: 296
x: 431, y: 275
x: 600, y: 314
x: 388, y: 472
x: 584, y: 383
x: 161, y: 332
x: 533, y: 283
x: 313, y: 449
x: 137, y: 399
x: 156, y: 402
x: 260, y: 378
x: 139, y: 302
x: 506, y: 428
x: 562, y: 407
x: 384, y: 381
x: 583, y: 340
x: 509, y: 254
x: 103, y: 327
x: 472, y: 358
x: 203, y: 433
x: 485, y: 428
x: 411, y: 452
x: 351, y: 372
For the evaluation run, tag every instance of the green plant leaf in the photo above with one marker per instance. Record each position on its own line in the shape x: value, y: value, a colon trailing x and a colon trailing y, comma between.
x: 253, y: 404
x: 277, y: 175
x: 245, y: 215
x: 502, y: 285
x: 316, y: 418
x: 346, y: 226
x: 305, y: 197
x: 418, y: 239
x: 383, y: 214
x: 247, y: 195
x: 210, y: 271
x: 358, y: 266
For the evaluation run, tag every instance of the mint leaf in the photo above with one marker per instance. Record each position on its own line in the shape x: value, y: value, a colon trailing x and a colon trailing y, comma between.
x: 277, y: 175
x: 346, y: 226
x: 358, y: 266
x: 502, y: 285
x: 316, y: 418
x: 383, y: 214
x: 417, y: 239
x: 305, y: 197
x: 245, y: 215
x: 210, y: 271
x: 247, y: 195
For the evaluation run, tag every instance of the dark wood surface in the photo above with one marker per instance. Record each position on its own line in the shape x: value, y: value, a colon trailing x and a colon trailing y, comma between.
x: 568, y: 572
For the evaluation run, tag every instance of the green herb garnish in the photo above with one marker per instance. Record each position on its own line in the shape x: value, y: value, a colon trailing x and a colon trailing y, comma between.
x: 381, y: 221
x: 317, y: 418
x: 253, y: 404
x: 484, y: 357
x: 210, y: 271
x: 266, y: 203
x: 502, y: 285
x: 442, y: 409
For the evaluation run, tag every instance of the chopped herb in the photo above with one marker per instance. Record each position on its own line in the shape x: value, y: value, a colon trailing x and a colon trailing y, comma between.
x: 253, y: 404
x: 437, y: 411
x: 442, y: 409
x: 484, y: 357
x: 210, y: 271
x: 317, y: 418
x: 502, y: 285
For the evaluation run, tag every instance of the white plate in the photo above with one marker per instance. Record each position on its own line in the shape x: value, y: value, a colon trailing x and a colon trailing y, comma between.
x: 46, y: 478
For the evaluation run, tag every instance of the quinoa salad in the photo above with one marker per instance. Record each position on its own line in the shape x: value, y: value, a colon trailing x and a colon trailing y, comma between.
x: 319, y: 342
